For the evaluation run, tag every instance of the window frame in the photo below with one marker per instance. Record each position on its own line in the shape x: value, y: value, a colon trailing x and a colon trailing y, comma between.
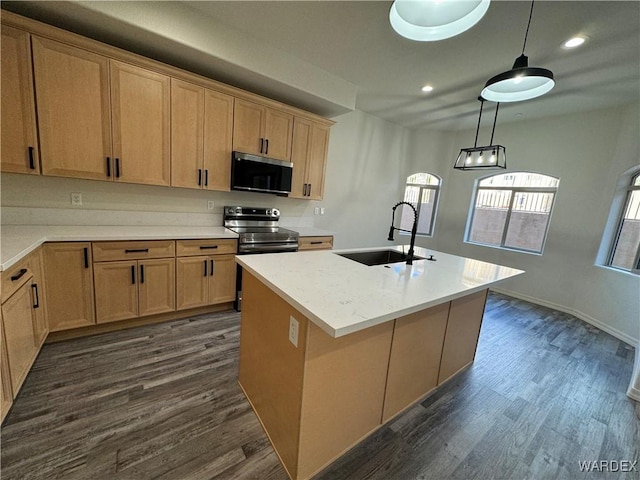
x: 436, y: 188
x: 514, y: 193
x: 630, y: 188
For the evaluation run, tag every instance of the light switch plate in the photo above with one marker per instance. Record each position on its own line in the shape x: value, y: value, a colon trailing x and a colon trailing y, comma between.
x: 210, y: 204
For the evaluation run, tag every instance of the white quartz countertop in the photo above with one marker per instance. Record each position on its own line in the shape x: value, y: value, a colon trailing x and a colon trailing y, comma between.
x: 342, y: 296
x: 18, y: 241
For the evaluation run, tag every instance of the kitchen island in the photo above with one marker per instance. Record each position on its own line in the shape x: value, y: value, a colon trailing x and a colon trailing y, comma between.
x: 331, y: 349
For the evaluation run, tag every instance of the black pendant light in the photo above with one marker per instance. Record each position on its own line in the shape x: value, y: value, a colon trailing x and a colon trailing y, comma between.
x: 488, y: 157
x: 522, y: 82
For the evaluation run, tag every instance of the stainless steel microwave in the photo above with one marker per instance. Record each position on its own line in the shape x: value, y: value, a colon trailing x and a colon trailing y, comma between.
x: 260, y: 174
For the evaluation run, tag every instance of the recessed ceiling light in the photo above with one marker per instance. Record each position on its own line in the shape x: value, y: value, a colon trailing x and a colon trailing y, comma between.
x: 575, y: 42
x: 427, y: 88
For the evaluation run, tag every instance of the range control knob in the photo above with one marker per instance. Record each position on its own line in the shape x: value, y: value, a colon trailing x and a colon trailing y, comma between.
x: 238, y: 209
x: 268, y: 212
x: 275, y: 212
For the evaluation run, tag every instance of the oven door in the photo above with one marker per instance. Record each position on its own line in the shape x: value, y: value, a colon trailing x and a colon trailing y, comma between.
x: 251, y: 249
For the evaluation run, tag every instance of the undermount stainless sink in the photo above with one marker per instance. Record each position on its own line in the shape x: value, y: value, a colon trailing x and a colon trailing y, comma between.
x: 378, y: 257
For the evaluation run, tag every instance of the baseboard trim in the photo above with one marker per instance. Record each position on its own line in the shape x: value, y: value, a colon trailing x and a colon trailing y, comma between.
x: 634, y: 394
x: 576, y: 313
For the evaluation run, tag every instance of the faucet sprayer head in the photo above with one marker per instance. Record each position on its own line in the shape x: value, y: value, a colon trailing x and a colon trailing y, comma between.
x: 391, y: 233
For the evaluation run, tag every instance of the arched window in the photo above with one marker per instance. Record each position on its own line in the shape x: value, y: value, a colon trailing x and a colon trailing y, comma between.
x: 422, y: 191
x: 625, y: 250
x: 512, y: 211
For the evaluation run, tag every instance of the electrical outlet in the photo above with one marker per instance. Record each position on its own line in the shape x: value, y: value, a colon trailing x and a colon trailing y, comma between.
x: 293, y: 331
x: 321, y: 210
x: 210, y: 204
x: 76, y: 199
x: 316, y: 211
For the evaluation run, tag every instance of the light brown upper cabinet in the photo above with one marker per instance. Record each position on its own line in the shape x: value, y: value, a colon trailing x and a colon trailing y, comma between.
x: 19, y: 146
x: 98, y: 129
x: 309, y: 158
x: 74, y: 115
x: 262, y: 130
x: 140, y: 103
x: 201, y: 137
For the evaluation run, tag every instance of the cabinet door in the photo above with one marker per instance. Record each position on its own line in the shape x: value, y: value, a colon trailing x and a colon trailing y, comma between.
x: 463, y: 329
x: 277, y: 132
x: 187, y: 117
x: 248, y: 119
x: 192, y: 284
x: 69, y: 281
x: 415, y: 358
x: 218, y: 137
x: 299, y: 156
x: 317, y: 160
x: 222, y: 279
x: 6, y: 393
x: 141, y: 103
x: 18, y: 317
x: 19, y: 146
x: 41, y: 328
x: 72, y: 88
x: 116, y: 291
x: 156, y: 286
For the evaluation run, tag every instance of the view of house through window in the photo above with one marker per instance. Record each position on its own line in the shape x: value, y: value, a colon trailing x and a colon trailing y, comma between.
x: 512, y: 210
x: 422, y: 192
x: 625, y: 253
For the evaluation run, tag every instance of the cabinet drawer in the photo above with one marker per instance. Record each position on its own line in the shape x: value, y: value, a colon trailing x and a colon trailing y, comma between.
x: 315, y: 243
x: 112, y: 251
x: 209, y: 246
x: 14, y: 278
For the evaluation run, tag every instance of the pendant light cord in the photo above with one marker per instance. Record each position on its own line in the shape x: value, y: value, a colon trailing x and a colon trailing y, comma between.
x: 528, y: 24
x: 475, y: 144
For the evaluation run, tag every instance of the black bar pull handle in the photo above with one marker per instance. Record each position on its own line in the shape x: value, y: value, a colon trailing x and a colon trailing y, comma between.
x: 108, y: 167
x: 117, y: 167
x: 34, y: 287
x: 133, y: 274
x: 206, y: 178
x: 212, y: 268
x: 266, y: 149
x: 319, y: 242
x: 141, y: 273
x: 309, y: 190
x: 208, y: 247
x: 205, y: 268
x: 261, y: 144
x: 136, y: 250
x: 199, y: 176
x: 19, y: 275
x: 86, y: 257
x: 32, y: 163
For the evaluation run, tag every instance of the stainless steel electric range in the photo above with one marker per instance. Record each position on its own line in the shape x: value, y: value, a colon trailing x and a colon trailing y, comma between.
x: 258, y: 232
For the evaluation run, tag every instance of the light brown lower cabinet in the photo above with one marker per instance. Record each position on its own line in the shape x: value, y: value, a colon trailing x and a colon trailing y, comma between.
x: 205, y: 280
x: 18, y: 318
x: 130, y: 289
x: 68, y: 274
x: 6, y: 393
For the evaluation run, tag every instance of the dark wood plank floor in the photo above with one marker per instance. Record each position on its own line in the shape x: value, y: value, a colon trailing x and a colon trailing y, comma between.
x: 546, y: 392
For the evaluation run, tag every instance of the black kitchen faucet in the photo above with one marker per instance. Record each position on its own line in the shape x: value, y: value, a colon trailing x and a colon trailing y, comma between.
x: 414, y: 229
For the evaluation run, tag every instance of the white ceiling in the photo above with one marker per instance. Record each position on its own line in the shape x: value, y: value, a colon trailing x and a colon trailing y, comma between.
x: 335, y: 49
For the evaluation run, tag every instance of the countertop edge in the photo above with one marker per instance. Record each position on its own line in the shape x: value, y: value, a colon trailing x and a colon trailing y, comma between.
x: 41, y: 237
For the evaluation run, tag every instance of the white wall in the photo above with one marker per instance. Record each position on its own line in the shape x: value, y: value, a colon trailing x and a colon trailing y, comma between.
x: 365, y: 177
x: 587, y: 152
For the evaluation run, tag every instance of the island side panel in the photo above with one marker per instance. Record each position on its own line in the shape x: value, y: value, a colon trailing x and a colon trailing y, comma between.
x: 461, y: 338
x: 343, y: 392
x: 415, y: 358
x: 271, y: 367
